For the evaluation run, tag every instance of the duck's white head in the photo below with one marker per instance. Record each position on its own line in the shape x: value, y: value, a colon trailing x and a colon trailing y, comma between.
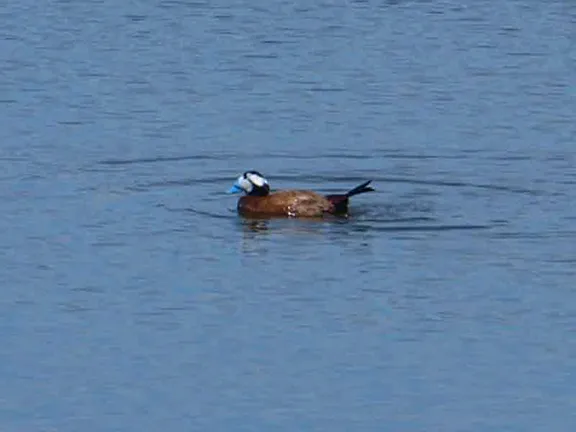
x: 251, y: 183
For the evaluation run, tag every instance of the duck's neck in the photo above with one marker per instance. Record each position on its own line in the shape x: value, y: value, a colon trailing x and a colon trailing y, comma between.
x: 260, y: 191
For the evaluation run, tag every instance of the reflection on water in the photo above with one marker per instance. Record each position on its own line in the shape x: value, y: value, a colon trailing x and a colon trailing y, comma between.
x: 255, y: 225
x: 286, y: 226
x: 388, y: 219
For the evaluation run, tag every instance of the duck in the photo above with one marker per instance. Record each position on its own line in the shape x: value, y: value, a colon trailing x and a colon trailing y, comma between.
x: 259, y: 201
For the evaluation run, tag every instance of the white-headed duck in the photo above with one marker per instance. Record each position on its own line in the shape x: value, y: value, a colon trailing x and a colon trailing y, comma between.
x: 258, y: 201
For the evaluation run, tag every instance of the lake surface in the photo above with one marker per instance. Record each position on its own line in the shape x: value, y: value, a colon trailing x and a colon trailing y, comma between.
x: 133, y: 298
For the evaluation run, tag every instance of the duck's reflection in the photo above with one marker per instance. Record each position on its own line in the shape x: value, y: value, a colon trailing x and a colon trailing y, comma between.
x: 265, y: 225
x: 255, y: 226
x: 263, y: 235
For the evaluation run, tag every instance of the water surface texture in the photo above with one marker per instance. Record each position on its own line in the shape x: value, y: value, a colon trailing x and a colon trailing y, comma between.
x: 133, y: 298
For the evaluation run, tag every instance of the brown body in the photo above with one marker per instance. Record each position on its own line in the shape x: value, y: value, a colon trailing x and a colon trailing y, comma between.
x: 295, y: 203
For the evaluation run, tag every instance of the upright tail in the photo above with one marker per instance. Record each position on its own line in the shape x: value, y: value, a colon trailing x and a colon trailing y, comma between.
x: 363, y: 188
x: 340, y: 202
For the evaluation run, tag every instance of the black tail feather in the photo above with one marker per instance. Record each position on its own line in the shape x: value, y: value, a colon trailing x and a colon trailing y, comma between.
x: 363, y: 188
x: 340, y: 202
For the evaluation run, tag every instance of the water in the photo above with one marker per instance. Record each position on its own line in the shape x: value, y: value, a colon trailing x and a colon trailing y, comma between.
x: 135, y: 299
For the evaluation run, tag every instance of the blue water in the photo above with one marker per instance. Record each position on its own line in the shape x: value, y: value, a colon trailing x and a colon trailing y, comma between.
x: 132, y: 296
